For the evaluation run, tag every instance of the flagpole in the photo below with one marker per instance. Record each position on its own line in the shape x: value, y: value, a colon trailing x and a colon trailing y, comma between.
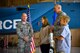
x: 32, y: 45
x: 29, y: 17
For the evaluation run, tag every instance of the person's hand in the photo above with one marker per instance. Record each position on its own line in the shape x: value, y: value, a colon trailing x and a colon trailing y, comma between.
x: 54, y: 38
x: 60, y: 38
x: 26, y: 38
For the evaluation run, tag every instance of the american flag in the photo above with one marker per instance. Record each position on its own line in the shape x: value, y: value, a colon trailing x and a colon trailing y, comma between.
x: 32, y: 46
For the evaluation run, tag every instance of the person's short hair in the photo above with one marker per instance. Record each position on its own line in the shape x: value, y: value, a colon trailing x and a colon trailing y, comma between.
x: 66, y: 18
x: 58, y: 5
x: 24, y: 13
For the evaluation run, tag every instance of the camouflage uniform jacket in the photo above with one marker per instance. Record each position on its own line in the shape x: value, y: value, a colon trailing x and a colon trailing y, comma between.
x: 22, y: 31
x: 57, y: 26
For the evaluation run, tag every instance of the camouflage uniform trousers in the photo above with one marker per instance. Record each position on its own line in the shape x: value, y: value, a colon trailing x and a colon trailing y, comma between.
x: 23, y: 49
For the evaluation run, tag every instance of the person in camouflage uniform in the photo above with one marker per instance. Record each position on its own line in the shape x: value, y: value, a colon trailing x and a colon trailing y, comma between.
x: 57, y: 28
x: 25, y: 32
x: 58, y: 10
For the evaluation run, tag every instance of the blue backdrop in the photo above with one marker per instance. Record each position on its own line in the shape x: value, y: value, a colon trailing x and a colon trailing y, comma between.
x: 37, y: 11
